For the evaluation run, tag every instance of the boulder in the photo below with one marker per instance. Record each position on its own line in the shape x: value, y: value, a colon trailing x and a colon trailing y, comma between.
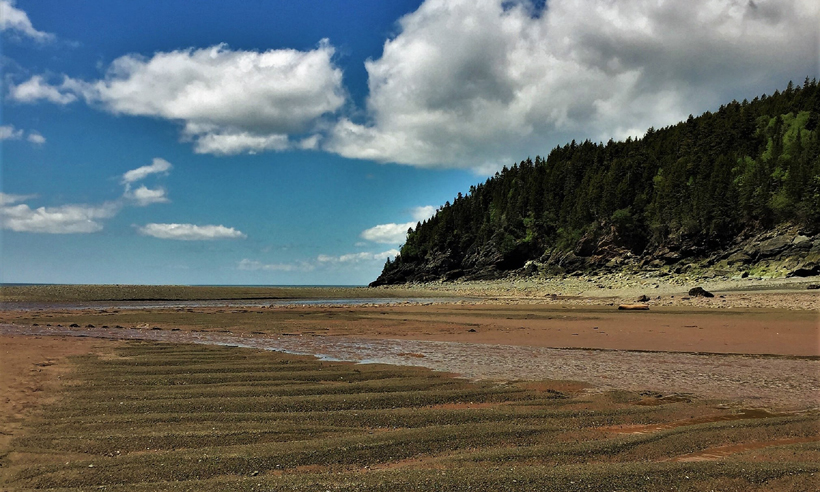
x: 773, y: 246
x: 700, y: 292
x: 805, y: 271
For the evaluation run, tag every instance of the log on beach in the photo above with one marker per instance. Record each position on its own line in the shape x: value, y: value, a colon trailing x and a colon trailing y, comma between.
x: 633, y: 307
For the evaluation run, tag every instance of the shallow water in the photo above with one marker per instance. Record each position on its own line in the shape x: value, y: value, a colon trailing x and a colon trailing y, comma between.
x: 753, y: 380
x: 256, y: 303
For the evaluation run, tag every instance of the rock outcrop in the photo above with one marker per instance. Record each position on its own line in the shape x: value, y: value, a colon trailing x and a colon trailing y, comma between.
x: 785, y: 251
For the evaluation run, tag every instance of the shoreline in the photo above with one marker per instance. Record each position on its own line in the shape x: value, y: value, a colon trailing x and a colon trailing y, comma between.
x: 777, y: 293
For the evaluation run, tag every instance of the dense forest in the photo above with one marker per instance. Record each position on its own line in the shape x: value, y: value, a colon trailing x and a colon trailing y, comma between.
x: 745, y: 168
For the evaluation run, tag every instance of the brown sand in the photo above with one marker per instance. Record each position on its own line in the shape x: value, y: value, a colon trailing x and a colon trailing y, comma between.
x: 749, y: 331
x: 481, y: 327
x: 31, y: 370
x: 733, y: 329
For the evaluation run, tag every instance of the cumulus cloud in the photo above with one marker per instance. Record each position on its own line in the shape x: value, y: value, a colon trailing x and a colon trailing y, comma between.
x: 35, y: 138
x: 420, y: 214
x: 236, y: 143
x: 253, y: 266
x: 8, y: 132
x: 65, y: 219
x: 358, y: 257
x: 83, y: 218
x: 228, y: 101
x: 394, y: 233
x: 157, y: 166
x: 36, y: 89
x: 144, y: 196
x: 388, y: 233
x: 483, y: 83
x: 16, y: 20
x: 190, y: 232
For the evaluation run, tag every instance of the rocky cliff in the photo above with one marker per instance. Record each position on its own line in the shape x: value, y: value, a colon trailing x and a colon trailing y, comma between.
x: 785, y: 251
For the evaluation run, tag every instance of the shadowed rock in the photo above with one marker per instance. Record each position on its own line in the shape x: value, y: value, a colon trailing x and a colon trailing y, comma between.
x: 700, y: 292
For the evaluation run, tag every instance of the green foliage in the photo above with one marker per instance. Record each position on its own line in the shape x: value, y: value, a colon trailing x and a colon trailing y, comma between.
x: 745, y: 167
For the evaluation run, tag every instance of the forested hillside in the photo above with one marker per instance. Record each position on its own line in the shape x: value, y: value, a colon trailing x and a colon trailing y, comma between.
x: 685, y: 192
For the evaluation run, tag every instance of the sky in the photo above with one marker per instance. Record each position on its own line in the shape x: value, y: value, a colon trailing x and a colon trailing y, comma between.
x: 294, y: 143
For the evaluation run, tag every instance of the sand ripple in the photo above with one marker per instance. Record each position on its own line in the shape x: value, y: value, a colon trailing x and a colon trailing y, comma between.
x: 753, y: 380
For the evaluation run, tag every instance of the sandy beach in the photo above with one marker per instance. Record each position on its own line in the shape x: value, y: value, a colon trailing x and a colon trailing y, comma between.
x: 672, y: 379
x: 468, y: 329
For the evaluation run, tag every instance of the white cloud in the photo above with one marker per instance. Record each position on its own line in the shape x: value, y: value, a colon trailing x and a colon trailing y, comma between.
x: 228, y: 101
x: 420, y: 214
x: 65, y: 219
x: 190, y: 232
x: 35, y: 89
x: 144, y: 196
x: 395, y: 233
x: 310, y: 143
x: 73, y: 218
x: 14, y: 19
x: 388, y: 233
x: 482, y: 83
x: 36, y: 138
x: 8, y: 132
x: 253, y: 265
x: 157, y: 166
x: 358, y: 257
x: 8, y: 198
x: 237, y: 143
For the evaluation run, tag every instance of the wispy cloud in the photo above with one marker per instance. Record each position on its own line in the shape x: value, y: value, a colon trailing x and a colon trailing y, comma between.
x: 254, y: 266
x: 358, y: 257
x: 15, y: 20
x: 82, y: 218
x: 157, y: 166
x: 190, y: 232
x: 8, y: 198
x: 143, y: 195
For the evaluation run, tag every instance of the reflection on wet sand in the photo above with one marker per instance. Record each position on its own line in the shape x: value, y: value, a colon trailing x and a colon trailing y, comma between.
x: 757, y: 380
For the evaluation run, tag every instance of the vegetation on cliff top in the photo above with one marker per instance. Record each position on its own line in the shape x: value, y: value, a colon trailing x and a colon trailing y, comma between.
x: 741, y: 170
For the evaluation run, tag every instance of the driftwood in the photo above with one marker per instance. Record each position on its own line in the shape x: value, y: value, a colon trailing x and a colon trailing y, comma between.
x: 633, y: 307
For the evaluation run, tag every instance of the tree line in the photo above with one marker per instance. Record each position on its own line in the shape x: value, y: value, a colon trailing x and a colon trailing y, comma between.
x: 744, y: 168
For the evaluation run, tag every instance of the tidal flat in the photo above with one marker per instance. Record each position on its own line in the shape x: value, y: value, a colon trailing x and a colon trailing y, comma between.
x: 479, y: 395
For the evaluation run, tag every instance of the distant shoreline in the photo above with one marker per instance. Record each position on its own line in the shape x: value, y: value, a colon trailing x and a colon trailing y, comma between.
x: 787, y: 293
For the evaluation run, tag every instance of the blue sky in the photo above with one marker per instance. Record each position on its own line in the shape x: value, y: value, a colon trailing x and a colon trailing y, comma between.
x: 268, y: 142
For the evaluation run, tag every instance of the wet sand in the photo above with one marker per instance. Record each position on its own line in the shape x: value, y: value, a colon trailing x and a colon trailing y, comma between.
x: 30, y: 371
x: 752, y: 347
x: 760, y: 381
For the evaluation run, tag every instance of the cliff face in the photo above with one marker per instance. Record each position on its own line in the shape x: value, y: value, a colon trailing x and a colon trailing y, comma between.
x: 736, y: 191
x: 786, y: 251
